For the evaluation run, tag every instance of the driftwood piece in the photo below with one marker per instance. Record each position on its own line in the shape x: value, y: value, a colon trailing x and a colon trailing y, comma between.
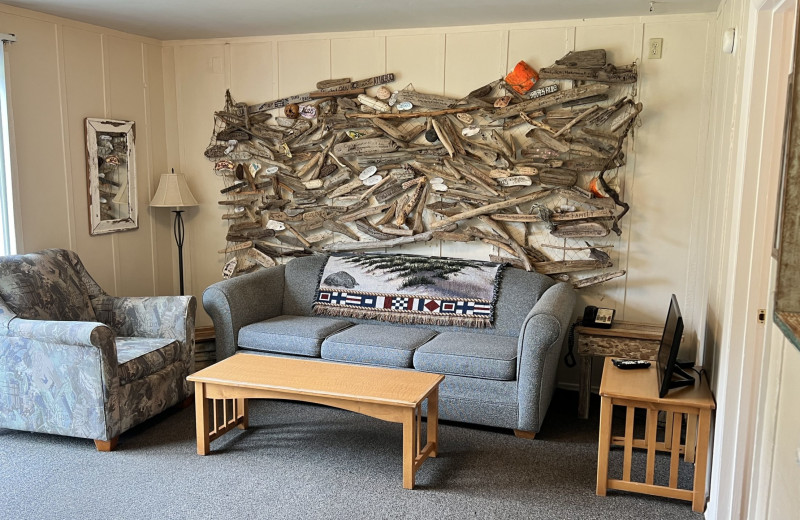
x: 452, y: 236
x: 238, y: 247
x: 568, y: 266
x: 558, y: 177
x: 580, y: 248
x: 583, y: 115
x: 261, y: 258
x: 602, y: 203
x: 419, y: 99
x: 491, y: 208
x: 585, y: 101
x: 365, y: 227
x: 336, y: 227
x: 318, y: 95
x: 330, y: 83
x: 378, y: 244
x: 443, y: 138
x: 591, y: 59
x: 609, y: 74
x: 417, y: 225
x: 365, y: 146
x: 580, y: 230
x: 362, y: 213
x: 412, y: 115
x: 594, y: 280
x: 396, y: 231
x: 550, y: 100
x: 550, y: 142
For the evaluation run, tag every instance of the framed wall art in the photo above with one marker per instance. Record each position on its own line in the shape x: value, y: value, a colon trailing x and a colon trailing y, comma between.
x: 111, y: 170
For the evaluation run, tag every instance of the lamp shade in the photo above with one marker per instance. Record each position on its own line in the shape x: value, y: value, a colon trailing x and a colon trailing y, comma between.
x: 173, y: 192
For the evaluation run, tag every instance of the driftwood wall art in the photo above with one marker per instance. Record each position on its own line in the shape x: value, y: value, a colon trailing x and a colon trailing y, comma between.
x: 527, y: 164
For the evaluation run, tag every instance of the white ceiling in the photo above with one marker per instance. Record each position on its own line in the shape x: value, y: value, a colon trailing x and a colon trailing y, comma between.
x: 189, y: 19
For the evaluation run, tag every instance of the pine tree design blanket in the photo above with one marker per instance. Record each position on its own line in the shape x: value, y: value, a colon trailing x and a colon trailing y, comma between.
x: 409, y: 289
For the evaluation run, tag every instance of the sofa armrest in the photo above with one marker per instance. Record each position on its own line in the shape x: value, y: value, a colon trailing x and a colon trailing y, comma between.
x: 240, y: 301
x: 62, y: 376
x: 538, y: 351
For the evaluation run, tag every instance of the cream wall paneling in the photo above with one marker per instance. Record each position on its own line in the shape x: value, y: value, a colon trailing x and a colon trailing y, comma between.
x: 81, y: 71
x: 445, y: 60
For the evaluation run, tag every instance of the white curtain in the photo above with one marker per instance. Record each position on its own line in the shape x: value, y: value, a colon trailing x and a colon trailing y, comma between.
x: 8, y: 242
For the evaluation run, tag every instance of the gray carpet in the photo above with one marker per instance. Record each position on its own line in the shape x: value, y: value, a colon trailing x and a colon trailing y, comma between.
x: 306, y: 461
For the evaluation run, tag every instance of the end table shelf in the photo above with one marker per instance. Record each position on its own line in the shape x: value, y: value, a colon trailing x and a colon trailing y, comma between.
x: 624, y: 339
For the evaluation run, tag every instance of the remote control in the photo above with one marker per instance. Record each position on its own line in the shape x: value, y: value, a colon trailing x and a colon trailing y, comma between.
x: 628, y: 364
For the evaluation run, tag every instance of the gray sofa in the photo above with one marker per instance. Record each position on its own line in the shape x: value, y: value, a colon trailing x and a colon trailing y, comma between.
x: 502, y: 376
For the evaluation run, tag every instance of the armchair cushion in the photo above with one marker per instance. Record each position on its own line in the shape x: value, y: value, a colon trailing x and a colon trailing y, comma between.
x: 140, y: 357
x: 44, y: 286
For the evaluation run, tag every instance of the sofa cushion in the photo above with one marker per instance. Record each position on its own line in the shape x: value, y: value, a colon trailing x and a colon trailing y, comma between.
x: 469, y: 354
x: 384, y: 345
x: 44, y: 286
x: 299, y: 335
x: 140, y: 357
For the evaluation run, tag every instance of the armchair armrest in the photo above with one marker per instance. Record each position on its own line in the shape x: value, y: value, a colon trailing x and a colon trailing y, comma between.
x: 240, y: 301
x: 538, y: 351
x: 170, y: 317
x: 149, y: 316
x: 77, y: 333
x: 61, y: 374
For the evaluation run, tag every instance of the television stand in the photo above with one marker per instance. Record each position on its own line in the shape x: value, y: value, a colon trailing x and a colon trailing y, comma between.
x: 639, y: 389
x: 680, y: 377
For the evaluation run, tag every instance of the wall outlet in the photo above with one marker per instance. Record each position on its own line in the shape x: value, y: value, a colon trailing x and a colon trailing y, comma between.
x: 654, y: 49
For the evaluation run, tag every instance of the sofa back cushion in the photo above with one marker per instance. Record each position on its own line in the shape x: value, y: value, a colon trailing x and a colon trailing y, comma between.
x: 519, y: 292
x: 44, y: 286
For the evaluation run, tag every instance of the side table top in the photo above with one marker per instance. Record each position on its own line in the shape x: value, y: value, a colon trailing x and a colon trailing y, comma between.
x: 320, y: 378
x: 625, y: 329
x: 642, y: 385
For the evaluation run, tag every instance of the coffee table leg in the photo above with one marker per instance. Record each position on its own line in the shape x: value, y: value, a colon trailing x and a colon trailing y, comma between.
x: 201, y: 418
x: 604, y: 444
x: 433, y: 421
x: 409, y: 447
x: 242, y: 407
x: 584, y: 386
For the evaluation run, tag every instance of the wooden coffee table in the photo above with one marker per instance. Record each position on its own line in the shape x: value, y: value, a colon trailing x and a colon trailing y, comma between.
x: 222, y: 390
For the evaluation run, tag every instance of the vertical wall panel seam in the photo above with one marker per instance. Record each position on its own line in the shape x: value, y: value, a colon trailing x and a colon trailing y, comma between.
x: 151, y: 166
x: 630, y: 169
x: 65, y: 139
x: 115, y: 264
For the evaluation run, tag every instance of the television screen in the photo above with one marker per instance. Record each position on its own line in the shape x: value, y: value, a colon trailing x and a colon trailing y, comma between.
x: 668, y: 352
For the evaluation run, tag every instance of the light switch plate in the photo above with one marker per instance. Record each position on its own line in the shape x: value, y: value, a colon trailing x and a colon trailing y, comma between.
x: 654, y: 49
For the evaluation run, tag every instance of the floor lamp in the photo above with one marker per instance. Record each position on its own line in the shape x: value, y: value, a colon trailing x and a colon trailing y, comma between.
x: 173, y: 192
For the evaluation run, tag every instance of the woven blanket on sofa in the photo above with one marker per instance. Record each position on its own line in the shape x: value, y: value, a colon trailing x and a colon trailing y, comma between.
x: 409, y: 289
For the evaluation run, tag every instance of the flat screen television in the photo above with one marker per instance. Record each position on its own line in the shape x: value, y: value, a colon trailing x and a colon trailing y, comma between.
x: 670, y: 375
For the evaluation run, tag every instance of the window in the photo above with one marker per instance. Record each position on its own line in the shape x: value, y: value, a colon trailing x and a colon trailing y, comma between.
x: 8, y: 242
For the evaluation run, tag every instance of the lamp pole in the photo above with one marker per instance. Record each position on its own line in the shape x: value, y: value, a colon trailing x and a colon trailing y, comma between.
x: 178, y: 231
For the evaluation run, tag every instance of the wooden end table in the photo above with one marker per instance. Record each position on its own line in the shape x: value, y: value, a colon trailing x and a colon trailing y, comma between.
x: 624, y: 339
x: 639, y: 389
x: 389, y: 394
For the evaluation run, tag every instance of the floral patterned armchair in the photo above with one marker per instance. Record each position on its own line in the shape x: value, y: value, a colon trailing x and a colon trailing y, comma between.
x: 76, y: 361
